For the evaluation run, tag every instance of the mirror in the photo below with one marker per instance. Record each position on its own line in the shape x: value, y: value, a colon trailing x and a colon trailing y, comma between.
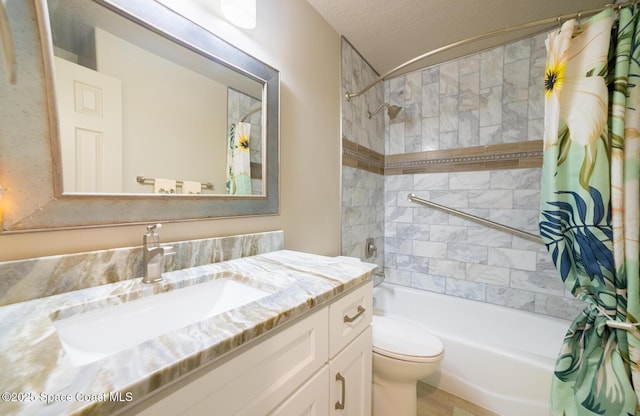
x: 195, y: 120
x: 140, y: 106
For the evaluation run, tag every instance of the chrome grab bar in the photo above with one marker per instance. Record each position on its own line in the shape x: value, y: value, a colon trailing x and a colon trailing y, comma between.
x: 515, y: 231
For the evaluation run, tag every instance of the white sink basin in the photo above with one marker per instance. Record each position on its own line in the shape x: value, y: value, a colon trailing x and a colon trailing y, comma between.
x: 97, y: 334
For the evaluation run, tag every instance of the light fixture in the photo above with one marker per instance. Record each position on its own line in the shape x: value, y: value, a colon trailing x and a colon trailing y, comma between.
x: 241, y: 13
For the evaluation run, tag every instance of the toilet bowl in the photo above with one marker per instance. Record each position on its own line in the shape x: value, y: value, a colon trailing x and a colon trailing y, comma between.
x: 403, y: 353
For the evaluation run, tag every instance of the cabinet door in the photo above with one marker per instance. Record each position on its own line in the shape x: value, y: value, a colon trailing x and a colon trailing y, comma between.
x: 350, y: 378
x: 312, y: 399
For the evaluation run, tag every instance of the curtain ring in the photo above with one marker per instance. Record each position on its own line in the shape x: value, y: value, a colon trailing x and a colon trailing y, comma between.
x: 559, y: 24
x: 579, y: 19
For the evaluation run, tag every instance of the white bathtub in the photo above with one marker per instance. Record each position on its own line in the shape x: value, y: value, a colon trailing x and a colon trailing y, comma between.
x: 499, y: 358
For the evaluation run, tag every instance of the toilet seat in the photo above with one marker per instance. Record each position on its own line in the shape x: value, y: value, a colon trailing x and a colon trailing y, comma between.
x: 404, y: 341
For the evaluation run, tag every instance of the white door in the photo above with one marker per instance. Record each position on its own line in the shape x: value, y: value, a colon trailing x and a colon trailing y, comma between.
x: 90, y: 123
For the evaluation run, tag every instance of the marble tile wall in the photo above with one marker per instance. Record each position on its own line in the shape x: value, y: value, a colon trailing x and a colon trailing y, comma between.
x: 436, y: 251
x: 23, y: 280
x: 490, y: 98
x: 487, y: 100
x: 356, y: 124
x: 362, y: 213
x: 362, y: 189
x: 239, y: 106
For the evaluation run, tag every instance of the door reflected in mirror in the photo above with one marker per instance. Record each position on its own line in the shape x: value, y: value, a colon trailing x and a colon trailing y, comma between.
x: 138, y: 113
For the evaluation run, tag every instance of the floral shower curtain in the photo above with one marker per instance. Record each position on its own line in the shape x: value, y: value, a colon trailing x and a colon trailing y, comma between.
x: 238, y: 160
x: 589, y: 207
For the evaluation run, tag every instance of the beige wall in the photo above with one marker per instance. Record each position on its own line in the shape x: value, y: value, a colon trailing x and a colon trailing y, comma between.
x: 293, y: 38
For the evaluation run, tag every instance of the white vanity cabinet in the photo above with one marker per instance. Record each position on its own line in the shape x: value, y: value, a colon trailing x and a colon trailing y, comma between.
x: 350, y: 353
x: 319, y: 365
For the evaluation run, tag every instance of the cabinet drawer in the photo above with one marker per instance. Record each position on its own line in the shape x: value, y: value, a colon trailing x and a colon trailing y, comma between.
x: 349, y: 316
x: 256, y: 380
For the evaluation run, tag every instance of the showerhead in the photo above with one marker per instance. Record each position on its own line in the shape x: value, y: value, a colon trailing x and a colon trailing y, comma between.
x: 392, y: 110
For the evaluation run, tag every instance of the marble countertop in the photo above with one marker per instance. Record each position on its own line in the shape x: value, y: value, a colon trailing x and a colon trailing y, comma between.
x: 39, y: 379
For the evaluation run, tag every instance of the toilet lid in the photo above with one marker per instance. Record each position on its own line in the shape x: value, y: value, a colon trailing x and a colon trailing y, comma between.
x: 404, y: 341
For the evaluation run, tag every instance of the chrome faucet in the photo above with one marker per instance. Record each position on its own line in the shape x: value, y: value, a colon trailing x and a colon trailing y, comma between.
x: 153, y: 255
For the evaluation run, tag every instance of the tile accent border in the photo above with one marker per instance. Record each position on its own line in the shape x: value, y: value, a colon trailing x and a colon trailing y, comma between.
x: 492, y: 157
x: 518, y: 155
x: 361, y: 157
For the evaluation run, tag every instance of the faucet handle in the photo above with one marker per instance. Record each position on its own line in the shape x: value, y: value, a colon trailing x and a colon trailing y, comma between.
x: 168, y: 250
x: 153, y: 227
x: 151, y: 238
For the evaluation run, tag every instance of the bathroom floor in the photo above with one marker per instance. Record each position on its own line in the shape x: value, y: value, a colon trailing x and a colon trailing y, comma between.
x: 434, y: 402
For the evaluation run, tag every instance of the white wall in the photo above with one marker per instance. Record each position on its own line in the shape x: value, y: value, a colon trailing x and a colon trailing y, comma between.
x: 293, y: 38
x: 174, y: 119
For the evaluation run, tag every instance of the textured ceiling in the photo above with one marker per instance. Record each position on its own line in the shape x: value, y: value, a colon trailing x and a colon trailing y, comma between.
x: 389, y: 33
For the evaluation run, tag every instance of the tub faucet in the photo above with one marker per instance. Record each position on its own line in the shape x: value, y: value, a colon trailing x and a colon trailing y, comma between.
x: 153, y: 255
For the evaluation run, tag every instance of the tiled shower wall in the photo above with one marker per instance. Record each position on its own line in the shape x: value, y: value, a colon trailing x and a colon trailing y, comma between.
x: 362, y: 190
x: 492, y: 98
x: 432, y: 250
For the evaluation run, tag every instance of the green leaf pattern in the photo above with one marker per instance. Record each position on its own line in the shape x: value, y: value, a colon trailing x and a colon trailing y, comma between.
x: 589, y: 209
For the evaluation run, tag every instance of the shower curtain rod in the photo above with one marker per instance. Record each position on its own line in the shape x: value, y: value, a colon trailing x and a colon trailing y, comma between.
x: 250, y: 113
x: 541, y: 22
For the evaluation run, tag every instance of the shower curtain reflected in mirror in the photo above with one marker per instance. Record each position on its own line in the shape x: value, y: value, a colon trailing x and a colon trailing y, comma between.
x: 589, y: 207
x: 238, y: 160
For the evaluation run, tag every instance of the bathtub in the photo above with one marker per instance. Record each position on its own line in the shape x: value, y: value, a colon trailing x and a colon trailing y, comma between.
x: 498, y: 358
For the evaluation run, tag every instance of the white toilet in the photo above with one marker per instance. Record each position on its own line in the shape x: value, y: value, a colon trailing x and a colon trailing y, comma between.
x: 403, y: 353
